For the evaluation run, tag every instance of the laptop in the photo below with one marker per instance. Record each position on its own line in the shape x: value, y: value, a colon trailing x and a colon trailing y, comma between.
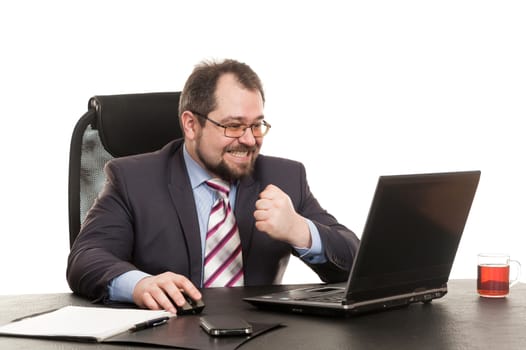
x: 406, y: 252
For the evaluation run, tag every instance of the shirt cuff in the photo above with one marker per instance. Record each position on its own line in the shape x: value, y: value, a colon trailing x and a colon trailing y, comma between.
x: 314, y: 254
x: 121, y: 287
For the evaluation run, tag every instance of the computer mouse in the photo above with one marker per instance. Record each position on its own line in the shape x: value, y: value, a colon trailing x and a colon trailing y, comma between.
x: 191, y: 307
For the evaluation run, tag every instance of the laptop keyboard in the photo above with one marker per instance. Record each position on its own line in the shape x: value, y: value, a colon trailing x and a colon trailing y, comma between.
x: 330, y: 298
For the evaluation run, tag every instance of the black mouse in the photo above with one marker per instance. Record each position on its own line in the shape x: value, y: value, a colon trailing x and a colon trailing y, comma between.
x: 191, y: 307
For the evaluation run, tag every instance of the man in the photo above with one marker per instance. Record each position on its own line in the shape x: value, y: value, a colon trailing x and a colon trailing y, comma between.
x: 147, y: 237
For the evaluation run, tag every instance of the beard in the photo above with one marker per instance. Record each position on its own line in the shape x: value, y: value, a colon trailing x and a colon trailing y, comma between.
x: 222, y: 169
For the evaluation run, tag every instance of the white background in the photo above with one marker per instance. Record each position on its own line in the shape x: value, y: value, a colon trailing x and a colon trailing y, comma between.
x: 354, y: 90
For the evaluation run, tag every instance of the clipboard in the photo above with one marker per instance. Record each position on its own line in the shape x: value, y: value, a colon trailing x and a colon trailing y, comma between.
x: 127, y: 326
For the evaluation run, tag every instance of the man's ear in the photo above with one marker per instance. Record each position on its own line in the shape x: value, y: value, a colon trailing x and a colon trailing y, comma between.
x: 189, y: 124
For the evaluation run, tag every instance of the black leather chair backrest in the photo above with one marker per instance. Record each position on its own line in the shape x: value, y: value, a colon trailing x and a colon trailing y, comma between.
x: 115, y: 126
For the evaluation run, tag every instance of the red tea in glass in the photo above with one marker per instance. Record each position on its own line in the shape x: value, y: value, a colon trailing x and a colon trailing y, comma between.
x: 493, y: 275
x: 493, y: 280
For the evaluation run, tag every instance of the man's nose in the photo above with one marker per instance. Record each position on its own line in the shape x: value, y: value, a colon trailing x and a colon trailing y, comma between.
x: 248, y: 137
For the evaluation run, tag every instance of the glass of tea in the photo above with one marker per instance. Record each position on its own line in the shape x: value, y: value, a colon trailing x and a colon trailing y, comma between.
x: 493, y: 277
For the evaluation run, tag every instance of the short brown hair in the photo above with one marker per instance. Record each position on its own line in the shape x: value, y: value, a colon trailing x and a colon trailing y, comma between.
x: 199, y: 90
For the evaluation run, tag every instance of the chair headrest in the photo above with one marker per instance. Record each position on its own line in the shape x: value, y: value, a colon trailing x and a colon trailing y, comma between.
x: 136, y: 123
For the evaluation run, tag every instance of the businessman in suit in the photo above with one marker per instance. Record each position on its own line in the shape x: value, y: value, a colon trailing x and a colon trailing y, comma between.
x: 143, y: 241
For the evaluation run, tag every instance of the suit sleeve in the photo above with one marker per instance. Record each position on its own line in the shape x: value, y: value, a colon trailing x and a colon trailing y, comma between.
x: 103, y: 247
x: 339, y: 243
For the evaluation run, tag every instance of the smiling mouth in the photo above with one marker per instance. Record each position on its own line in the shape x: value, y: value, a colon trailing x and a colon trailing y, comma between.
x: 241, y: 152
x: 238, y: 154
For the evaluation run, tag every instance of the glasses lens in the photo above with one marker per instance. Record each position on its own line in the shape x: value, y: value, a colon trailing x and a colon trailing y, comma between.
x: 234, y: 131
x: 258, y: 130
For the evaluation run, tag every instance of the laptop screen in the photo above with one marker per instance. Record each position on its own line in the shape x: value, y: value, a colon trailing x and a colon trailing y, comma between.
x: 412, y: 233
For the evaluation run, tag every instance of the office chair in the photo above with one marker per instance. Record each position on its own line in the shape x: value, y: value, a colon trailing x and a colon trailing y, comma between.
x: 115, y: 126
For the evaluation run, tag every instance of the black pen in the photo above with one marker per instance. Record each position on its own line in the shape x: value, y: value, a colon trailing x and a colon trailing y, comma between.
x: 150, y: 323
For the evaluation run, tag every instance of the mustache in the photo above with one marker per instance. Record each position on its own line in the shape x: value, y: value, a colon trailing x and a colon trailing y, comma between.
x: 241, y: 148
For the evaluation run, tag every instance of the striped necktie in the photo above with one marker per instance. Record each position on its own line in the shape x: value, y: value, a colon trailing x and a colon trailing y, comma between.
x: 223, y: 263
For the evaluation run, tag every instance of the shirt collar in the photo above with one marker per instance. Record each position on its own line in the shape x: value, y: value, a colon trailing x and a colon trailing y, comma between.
x: 197, y: 174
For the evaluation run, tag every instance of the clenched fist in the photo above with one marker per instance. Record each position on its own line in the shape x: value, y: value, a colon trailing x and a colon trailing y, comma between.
x: 275, y: 215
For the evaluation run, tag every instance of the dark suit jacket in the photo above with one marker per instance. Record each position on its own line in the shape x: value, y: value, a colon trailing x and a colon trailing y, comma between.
x: 145, y: 218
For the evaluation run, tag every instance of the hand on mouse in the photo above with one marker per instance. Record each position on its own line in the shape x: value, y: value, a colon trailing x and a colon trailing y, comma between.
x: 155, y: 292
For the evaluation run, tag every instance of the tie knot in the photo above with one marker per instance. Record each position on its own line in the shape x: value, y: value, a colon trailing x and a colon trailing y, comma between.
x: 219, y: 185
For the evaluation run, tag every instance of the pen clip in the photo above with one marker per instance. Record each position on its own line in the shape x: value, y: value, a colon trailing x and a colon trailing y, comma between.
x: 158, y: 323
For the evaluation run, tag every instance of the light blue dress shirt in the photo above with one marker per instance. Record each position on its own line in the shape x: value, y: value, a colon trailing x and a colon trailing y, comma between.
x: 121, y: 287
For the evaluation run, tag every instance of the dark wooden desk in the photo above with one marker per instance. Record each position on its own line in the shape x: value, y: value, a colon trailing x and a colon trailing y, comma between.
x: 460, y: 320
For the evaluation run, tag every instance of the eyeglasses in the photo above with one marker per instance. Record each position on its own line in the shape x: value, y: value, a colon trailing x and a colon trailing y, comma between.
x: 236, y: 130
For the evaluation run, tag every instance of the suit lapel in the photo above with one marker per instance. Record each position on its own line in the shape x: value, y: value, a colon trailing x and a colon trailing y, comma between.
x: 183, y: 199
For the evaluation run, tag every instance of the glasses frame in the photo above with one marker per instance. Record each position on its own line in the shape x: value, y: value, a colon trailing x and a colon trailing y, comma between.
x: 251, y: 127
